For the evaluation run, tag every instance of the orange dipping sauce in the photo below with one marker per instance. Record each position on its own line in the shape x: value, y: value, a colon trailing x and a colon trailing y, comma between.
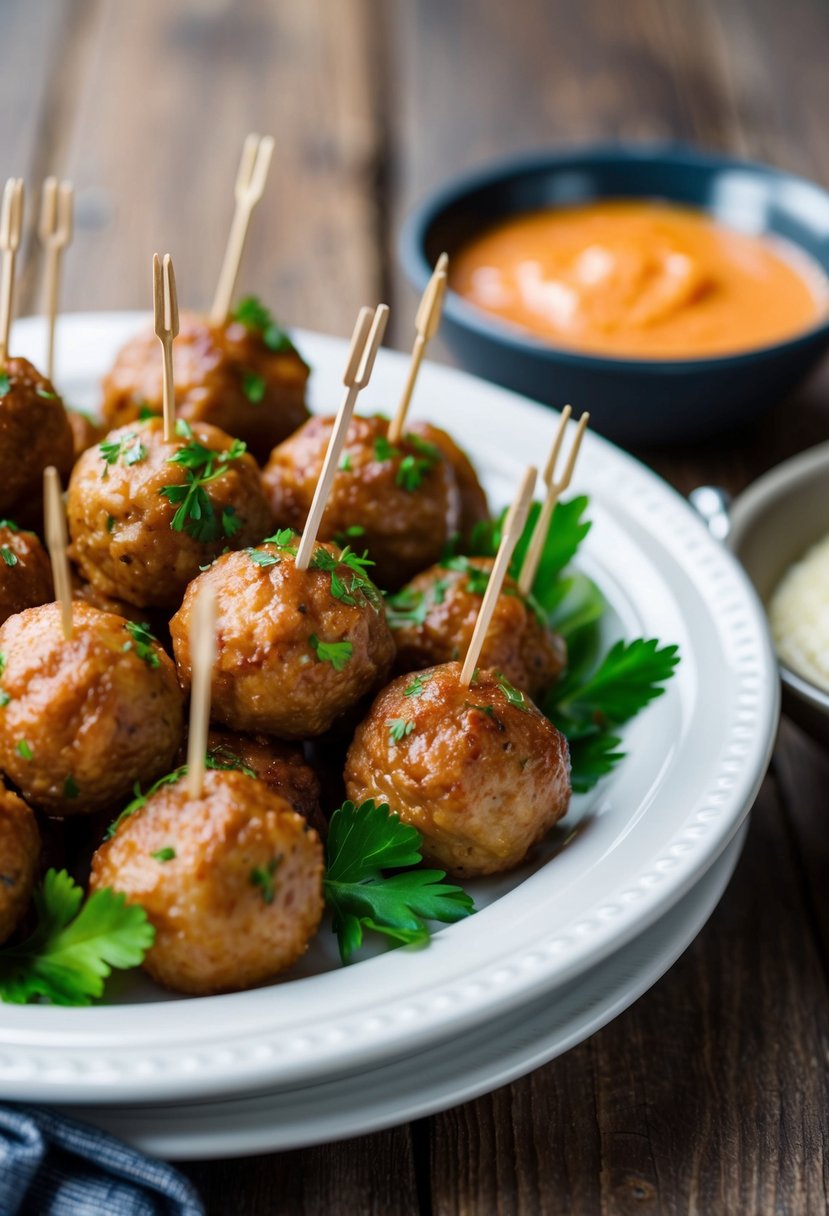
x: 641, y: 279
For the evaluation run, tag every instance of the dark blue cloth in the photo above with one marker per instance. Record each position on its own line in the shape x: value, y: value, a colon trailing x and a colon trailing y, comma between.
x: 54, y: 1166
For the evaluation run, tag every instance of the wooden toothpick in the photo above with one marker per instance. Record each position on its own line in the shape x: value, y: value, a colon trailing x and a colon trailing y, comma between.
x: 54, y: 514
x: 55, y: 232
x: 202, y: 658
x: 367, y: 336
x: 165, y: 311
x: 11, y: 226
x: 555, y: 488
x: 426, y: 325
x: 513, y: 527
x: 250, y: 185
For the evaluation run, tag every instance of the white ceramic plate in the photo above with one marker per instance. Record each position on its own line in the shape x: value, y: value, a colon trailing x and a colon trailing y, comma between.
x: 433, y: 1080
x: 625, y: 855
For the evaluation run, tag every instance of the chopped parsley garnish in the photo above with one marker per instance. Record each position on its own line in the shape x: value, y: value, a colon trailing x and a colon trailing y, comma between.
x: 477, y: 580
x: 110, y: 522
x: 415, y: 688
x: 514, y: 695
x: 363, y: 843
x: 145, y: 412
x: 24, y: 749
x: 263, y: 878
x: 129, y: 446
x: 70, y: 787
x: 45, y: 393
x: 222, y: 756
x: 346, y: 588
x: 10, y: 524
x: 2, y: 662
x: 4, y: 699
x: 257, y: 319
x: 166, y: 854
x: 383, y: 450
x: 196, y: 514
x: 352, y: 532
x: 143, y: 641
x: 345, y: 463
x: 219, y: 758
x: 75, y: 944
x: 337, y: 654
x: 489, y: 710
x: 281, y: 540
x: 406, y: 607
x: 412, y: 468
x: 254, y: 386
x: 399, y: 729
x: 9, y: 557
x: 5, y: 383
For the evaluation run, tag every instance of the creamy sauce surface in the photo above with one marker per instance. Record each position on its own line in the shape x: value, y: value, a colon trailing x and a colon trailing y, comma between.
x: 799, y: 616
x: 641, y: 279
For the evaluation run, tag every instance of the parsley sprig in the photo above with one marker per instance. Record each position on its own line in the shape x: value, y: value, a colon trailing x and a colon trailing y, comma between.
x: 196, y: 514
x: 220, y: 758
x: 363, y: 843
x: 338, y: 654
x: 75, y: 944
x: 129, y: 446
x: 143, y: 641
x: 258, y: 319
x: 414, y: 466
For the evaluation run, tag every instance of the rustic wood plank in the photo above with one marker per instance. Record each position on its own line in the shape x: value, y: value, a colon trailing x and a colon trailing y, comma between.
x: 372, y: 1176
x: 158, y: 137
x: 706, y: 1096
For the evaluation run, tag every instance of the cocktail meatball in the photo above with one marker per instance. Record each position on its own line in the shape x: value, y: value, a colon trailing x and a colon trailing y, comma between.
x: 246, y: 379
x: 436, y: 615
x: 282, y: 766
x: 82, y: 720
x: 25, y: 571
x: 401, y: 503
x: 144, y: 515
x: 296, y: 648
x: 85, y: 431
x: 474, y: 506
x: 19, y: 858
x: 232, y: 882
x: 34, y: 433
x: 479, y: 771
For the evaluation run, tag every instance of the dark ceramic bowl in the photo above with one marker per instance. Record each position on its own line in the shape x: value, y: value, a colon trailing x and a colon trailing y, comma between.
x: 634, y: 401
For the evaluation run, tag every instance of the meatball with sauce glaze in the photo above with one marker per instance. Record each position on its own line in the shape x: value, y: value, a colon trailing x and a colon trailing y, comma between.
x: 145, y: 515
x: 474, y: 506
x: 82, y: 720
x: 19, y: 860
x: 246, y: 379
x: 25, y: 571
x: 479, y: 771
x: 231, y: 881
x: 34, y: 433
x: 295, y: 648
x: 436, y: 615
x: 400, y: 503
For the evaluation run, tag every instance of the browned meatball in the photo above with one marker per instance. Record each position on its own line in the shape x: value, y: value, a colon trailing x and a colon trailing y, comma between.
x: 434, y: 615
x: 228, y: 376
x: 85, y: 593
x: 474, y: 506
x: 25, y: 571
x: 19, y: 858
x: 85, y: 431
x: 34, y: 433
x: 296, y: 648
x: 282, y: 766
x: 232, y: 882
x: 401, y: 503
x: 479, y: 771
x: 144, y: 515
x: 82, y: 720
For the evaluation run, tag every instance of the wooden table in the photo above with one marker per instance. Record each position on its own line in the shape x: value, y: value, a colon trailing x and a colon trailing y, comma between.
x: 710, y: 1095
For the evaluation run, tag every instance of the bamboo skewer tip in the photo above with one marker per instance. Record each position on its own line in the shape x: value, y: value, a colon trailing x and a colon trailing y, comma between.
x: 251, y: 177
x: 166, y: 322
x: 513, y: 527
x: 55, y: 229
x: 427, y: 322
x: 11, y: 228
x: 362, y: 352
x: 555, y: 488
x: 202, y: 657
x: 57, y: 543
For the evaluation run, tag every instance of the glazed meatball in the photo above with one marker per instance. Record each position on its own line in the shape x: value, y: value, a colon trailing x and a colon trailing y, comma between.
x: 474, y: 506
x: 282, y: 766
x: 34, y: 433
x: 19, y: 859
x: 295, y: 648
x: 145, y: 515
x: 246, y: 379
x: 479, y: 771
x: 25, y: 571
x: 82, y: 720
x: 434, y: 615
x: 232, y: 882
x: 86, y: 432
x: 400, y: 503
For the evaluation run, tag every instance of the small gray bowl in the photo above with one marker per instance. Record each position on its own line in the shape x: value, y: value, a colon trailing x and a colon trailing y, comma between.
x: 772, y: 524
